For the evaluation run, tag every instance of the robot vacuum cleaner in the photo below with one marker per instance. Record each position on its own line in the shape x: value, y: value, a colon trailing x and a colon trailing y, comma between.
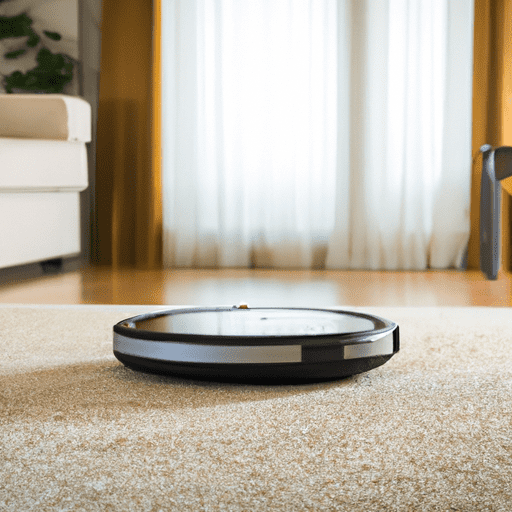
x: 257, y: 345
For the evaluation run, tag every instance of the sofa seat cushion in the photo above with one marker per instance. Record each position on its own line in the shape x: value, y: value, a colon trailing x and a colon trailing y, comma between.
x: 42, y: 165
x: 45, y: 116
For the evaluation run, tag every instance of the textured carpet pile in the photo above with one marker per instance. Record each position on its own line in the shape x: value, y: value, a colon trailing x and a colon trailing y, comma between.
x: 429, y: 430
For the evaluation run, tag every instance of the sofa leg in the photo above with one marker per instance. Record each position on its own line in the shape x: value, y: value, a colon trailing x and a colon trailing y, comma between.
x: 53, y: 266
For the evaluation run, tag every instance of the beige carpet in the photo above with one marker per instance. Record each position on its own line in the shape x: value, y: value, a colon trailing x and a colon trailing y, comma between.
x: 429, y: 430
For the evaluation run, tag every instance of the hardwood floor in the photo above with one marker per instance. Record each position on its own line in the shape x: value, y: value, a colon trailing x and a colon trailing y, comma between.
x: 98, y: 285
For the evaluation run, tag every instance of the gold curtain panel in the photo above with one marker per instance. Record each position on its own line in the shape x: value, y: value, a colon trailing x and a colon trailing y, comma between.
x: 128, y: 226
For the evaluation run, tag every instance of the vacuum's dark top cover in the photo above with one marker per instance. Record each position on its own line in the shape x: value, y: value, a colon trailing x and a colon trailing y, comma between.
x: 257, y: 322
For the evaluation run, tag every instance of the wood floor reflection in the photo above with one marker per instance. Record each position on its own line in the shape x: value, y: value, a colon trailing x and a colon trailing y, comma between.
x: 98, y: 285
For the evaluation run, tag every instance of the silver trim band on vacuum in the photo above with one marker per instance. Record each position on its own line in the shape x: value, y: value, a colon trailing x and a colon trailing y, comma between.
x: 236, y: 354
x: 195, y: 353
x: 380, y: 347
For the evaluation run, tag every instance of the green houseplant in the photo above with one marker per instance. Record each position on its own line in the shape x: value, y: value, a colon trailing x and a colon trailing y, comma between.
x: 53, y: 70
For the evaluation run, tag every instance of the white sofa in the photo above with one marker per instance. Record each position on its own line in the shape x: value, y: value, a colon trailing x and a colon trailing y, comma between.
x: 43, y: 168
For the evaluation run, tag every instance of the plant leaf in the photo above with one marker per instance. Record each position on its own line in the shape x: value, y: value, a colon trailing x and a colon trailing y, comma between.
x: 52, y: 35
x: 15, y: 26
x: 33, y: 40
x: 53, y: 72
x: 45, y: 58
x: 14, y: 54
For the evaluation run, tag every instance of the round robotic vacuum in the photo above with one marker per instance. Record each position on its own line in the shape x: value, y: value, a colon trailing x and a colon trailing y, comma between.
x: 257, y: 345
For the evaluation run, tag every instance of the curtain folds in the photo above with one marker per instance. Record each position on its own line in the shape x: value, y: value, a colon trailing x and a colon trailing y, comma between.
x: 316, y: 134
x: 404, y: 175
x: 128, y: 222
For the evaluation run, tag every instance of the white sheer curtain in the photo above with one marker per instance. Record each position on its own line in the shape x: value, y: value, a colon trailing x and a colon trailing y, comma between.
x: 316, y: 133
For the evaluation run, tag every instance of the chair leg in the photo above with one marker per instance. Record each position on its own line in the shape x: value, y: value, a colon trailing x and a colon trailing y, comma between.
x: 53, y: 266
x: 490, y: 208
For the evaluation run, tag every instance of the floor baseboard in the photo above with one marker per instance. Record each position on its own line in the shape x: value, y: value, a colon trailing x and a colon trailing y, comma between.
x: 38, y: 269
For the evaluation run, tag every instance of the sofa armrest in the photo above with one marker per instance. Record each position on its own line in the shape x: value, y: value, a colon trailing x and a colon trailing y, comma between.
x: 45, y: 116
